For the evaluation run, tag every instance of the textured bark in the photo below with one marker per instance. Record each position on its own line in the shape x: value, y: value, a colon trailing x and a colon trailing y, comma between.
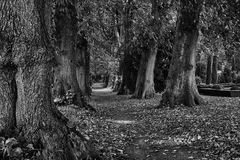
x: 181, y: 86
x: 8, y: 98
x: 145, y: 80
x: 126, y: 87
x: 66, y: 34
x: 8, y: 90
x: 214, y: 70
x: 83, y: 65
x: 145, y: 83
x: 37, y: 117
x: 209, y: 69
x: 29, y: 73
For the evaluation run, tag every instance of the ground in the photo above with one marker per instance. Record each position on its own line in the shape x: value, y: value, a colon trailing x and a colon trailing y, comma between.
x: 125, y: 128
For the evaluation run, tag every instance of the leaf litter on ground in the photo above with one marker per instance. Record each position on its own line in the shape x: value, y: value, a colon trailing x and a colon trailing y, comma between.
x: 209, y: 131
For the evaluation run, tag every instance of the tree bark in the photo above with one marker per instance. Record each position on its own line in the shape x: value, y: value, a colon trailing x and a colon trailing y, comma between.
x: 125, y: 65
x: 145, y: 79
x: 66, y: 33
x: 209, y: 70
x: 214, y: 70
x: 37, y: 117
x: 28, y: 73
x: 181, y: 86
x: 83, y: 65
x: 8, y: 98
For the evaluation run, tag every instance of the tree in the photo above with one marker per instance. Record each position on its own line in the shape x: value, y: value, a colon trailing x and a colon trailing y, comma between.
x: 145, y: 80
x: 8, y: 70
x: 181, y: 86
x: 26, y: 77
x: 214, y: 69
x: 209, y: 69
x: 125, y: 62
x: 66, y: 36
x: 83, y: 64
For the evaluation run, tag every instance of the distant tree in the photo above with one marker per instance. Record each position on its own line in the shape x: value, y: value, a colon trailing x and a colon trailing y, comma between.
x: 209, y: 69
x: 181, y: 86
x: 214, y: 69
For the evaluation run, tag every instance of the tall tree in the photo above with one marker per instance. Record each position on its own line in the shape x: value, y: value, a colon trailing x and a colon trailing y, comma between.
x: 125, y: 65
x: 145, y: 80
x: 66, y: 35
x: 83, y: 64
x: 181, y: 86
x: 26, y: 78
x: 209, y: 69
x: 8, y: 89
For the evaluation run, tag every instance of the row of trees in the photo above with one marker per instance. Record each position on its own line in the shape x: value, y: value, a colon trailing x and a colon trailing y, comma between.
x: 197, y: 30
x: 41, y: 45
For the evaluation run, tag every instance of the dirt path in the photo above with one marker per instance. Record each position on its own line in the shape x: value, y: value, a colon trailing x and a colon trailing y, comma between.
x: 144, y: 144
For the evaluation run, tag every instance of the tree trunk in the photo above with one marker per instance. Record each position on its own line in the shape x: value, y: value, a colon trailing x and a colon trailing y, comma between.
x: 214, y: 69
x: 83, y: 65
x: 28, y: 74
x: 66, y: 33
x: 37, y: 117
x: 125, y: 65
x: 209, y: 70
x: 8, y: 98
x: 145, y: 80
x: 181, y: 86
x: 145, y: 83
x: 126, y: 83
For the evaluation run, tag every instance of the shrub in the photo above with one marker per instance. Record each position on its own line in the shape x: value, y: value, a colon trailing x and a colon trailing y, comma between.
x: 226, y: 76
x: 217, y: 86
x: 237, y: 79
x: 235, y: 88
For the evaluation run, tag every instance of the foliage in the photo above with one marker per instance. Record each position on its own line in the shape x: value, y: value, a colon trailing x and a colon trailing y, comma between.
x: 198, y: 80
x: 217, y: 86
x: 226, y: 76
x: 237, y: 79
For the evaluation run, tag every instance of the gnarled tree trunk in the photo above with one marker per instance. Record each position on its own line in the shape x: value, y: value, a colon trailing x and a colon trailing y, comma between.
x: 28, y: 72
x: 181, y: 86
x: 37, y: 117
